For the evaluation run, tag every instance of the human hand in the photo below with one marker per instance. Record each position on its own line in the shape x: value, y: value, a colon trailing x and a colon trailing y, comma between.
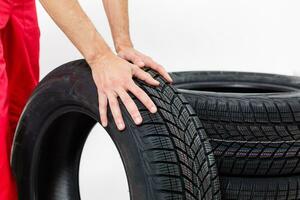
x: 141, y: 60
x: 113, y: 78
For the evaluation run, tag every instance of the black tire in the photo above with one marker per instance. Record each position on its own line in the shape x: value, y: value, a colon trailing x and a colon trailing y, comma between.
x: 252, y: 119
x: 168, y: 156
x: 263, y: 188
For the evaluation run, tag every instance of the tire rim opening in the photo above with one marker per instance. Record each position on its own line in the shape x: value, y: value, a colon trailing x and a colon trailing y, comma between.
x: 67, y: 168
x: 225, y: 87
x: 101, y: 174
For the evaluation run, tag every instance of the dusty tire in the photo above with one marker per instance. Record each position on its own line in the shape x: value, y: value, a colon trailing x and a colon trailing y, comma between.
x: 168, y: 156
x: 252, y: 119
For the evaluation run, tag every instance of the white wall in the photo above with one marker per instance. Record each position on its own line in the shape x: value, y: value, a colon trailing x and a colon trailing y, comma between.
x: 246, y: 35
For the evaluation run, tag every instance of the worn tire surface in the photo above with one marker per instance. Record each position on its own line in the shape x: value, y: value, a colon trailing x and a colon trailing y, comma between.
x: 168, y: 156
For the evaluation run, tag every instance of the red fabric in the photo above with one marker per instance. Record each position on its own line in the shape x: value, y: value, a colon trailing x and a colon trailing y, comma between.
x: 19, y: 74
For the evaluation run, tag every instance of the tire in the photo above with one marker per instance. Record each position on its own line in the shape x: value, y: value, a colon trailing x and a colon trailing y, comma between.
x: 168, y: 156
x: 266, y: 188
x: 252, y: 119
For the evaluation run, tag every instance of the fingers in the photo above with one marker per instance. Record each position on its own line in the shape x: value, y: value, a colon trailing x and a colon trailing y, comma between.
x: 157, y: 67
x: 145, y: 76
x: 130, y: 106
x: 138, y: 61
x: 142, y: 60
x: 135, y: 59
x: 143, y: 97
x: 115, y: 109
x: 103, y: 108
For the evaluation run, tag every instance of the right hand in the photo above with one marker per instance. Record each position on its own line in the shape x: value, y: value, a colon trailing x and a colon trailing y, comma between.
x: 113, y: 78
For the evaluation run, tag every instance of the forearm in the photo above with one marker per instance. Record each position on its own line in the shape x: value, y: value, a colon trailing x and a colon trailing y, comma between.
x: 117, y: 14
x: 72, y: 20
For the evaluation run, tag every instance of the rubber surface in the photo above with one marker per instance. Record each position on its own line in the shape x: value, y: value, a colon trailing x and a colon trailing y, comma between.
x: 263, y: 188
x: 168, y: 156
x: 252, y: 119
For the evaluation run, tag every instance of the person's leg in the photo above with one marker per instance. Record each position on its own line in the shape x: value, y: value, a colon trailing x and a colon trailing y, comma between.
x: 22, y: 47
x: 20, y: 40
x: 8, y: 188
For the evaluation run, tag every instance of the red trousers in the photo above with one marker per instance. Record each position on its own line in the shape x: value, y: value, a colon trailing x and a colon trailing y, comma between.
x: 19, y: 74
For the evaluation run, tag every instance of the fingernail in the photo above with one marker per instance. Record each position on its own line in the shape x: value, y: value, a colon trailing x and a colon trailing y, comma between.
x: 120, y: 126
x: 157, y: 82
x: 141, y: 63
x: 138, y: 120
x: 104, y: 124
x: 153, y: 109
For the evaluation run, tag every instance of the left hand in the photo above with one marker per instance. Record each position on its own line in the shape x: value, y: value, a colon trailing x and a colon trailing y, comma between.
x: 141, y: 60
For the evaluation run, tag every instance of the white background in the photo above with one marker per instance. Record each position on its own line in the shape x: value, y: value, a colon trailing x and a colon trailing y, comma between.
x: 244, y: 35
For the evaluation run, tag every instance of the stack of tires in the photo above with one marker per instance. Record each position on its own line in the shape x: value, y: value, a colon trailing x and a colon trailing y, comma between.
x: 252, y: 120
x: 216, y: 135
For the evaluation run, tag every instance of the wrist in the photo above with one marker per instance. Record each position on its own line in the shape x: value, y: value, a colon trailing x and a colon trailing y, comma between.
x: 98, y: 58
x: 96, y: 49
x: 119, y: 46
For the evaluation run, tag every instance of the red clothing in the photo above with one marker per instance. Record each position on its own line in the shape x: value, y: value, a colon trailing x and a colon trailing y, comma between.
x: 19, y: 74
